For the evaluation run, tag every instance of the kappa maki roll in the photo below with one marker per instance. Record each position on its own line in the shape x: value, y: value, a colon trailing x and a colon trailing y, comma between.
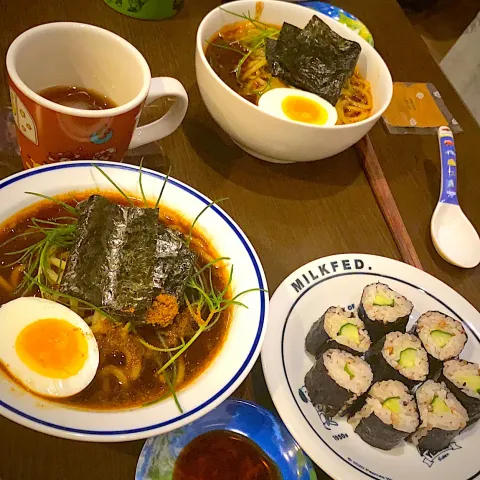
x: 399, y: 356
x: 383, y: 310
x: 462, y: 378
x: 388, y: 415
x: 442, y: 417
x: 336, y: 380
x: 337, y: 328
x: 442, y: 336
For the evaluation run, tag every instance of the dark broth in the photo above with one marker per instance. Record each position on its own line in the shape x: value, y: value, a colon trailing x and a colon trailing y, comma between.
x: 222, y: 455
x: 77, y: 97
x: 147, y: 387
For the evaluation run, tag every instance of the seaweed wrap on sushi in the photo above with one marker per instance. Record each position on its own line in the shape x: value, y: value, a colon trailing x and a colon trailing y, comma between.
x: 388, y: 415
x: 399, y: 356
x: 337, y: 328
x: 383, y: 310
x: 336, y: 380
x: 442, y: 336
x: 462, y: 378
x: 442, y: 417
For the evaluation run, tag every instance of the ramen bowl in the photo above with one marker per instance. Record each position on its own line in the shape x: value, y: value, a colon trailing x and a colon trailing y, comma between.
x: 220, y: 377
x: 269, y: 137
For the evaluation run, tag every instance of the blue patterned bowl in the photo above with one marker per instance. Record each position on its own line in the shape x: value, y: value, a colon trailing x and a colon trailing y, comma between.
x: 340, y: 15
x: 159, y: 453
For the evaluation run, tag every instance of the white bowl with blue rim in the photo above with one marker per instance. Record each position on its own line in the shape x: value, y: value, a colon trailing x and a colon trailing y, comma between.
x: 331, y: 443
x: 221, y: 377
x: 159, y: 454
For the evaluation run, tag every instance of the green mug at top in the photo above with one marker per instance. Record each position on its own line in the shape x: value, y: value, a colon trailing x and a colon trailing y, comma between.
x: 147, y: 9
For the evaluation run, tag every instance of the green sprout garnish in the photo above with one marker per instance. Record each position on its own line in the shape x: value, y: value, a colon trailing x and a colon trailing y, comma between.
x: 253, y: 43
x: 192, y: 226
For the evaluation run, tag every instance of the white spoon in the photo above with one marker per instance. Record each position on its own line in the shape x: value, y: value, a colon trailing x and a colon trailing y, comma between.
x: 454, y: 237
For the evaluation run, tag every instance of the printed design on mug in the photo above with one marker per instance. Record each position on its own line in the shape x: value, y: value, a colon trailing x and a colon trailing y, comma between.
x: 62, y: 157
x: 103, y: 135
x: 23, y: 119
x: 107, y: 154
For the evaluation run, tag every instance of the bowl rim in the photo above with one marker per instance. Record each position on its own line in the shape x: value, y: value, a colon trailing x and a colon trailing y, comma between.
x: 110, y: 435
x: 364, y: 44
x: 240, y: 408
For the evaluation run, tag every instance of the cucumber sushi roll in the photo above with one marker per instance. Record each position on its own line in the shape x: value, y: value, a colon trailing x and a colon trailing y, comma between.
x: 336, y: 380
x: 383, y: 310
x: 388, y: 415
x: 442, y: 417
x: 442, y: 336
x: 399, y: 356
x: 462, y: 378
x: 337, y: 328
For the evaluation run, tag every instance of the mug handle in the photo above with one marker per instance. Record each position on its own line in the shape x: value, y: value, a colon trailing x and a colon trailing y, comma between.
x: 164, y: 126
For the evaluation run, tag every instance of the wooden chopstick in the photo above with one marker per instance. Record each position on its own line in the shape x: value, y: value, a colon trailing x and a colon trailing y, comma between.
x: 386, y: 202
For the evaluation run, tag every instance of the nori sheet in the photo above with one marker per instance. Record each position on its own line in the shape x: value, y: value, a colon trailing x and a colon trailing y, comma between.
x: 437, y: 439
x: 173, y: 263
x: 316, y: 338
x: 324, y: 391
x: 315, y: 59
x: 377, y: 329
x: 112, y: 259
x: 378, y: 434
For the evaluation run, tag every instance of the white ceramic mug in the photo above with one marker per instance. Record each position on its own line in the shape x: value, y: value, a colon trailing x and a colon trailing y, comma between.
x: 76, y: 54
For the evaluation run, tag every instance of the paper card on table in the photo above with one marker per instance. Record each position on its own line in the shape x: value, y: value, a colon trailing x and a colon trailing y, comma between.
x: 417, y: 108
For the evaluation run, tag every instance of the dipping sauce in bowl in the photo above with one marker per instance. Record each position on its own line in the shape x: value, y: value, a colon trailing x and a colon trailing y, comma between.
x: 223, y: 454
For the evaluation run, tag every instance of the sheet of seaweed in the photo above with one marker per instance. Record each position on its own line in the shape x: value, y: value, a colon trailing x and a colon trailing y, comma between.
x: 315, y: 59
x: 112, y: 260
x: 173, y: 263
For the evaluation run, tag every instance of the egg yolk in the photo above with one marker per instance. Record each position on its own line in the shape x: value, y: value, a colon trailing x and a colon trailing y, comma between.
x: 304, y: 110
x: 52, y: 347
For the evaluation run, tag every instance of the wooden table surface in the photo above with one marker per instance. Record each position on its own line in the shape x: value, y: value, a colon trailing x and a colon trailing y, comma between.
x: 292, y: 214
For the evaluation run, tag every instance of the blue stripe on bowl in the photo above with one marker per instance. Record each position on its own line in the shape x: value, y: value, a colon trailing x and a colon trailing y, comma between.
x: 258, y: 270
x: 469, y: 327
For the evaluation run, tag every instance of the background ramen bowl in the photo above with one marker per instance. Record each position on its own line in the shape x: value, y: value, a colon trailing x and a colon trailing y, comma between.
x: 228, y: 368
x: 263, y: 135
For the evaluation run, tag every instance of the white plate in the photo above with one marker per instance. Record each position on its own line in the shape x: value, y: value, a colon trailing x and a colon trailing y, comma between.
x: 297, y: 303
x: 223, y: 375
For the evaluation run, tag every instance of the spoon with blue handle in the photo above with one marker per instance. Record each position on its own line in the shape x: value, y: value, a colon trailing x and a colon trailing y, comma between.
x: 454, y: 237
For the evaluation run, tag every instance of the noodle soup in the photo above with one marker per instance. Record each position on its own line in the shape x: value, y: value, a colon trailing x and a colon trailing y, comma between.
x: 237, y: 54
x: 143, y: 356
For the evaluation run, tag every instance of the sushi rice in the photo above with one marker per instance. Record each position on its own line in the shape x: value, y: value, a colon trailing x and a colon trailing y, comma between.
x: 453, y: 420
x: 436, y: 321
x: 335, y: 318
x: 401, y: 307
x: 339, y: 363
x: 395, y: 344
x: 406, y: 420
x: 456, y: 370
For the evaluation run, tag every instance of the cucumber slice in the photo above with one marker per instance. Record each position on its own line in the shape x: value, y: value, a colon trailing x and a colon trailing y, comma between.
x: 350, y: 331
x: 407, y: 357
x: 440, y: 337
x: 471, y: 381
x: 383, y: 301
x: 439, y: 406
x: 349, y: 371
x: 393, y: 404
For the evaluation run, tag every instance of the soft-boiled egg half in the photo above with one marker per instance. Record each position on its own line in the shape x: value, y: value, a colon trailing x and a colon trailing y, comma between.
x: 298, y: 106
x: 47, y: 347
